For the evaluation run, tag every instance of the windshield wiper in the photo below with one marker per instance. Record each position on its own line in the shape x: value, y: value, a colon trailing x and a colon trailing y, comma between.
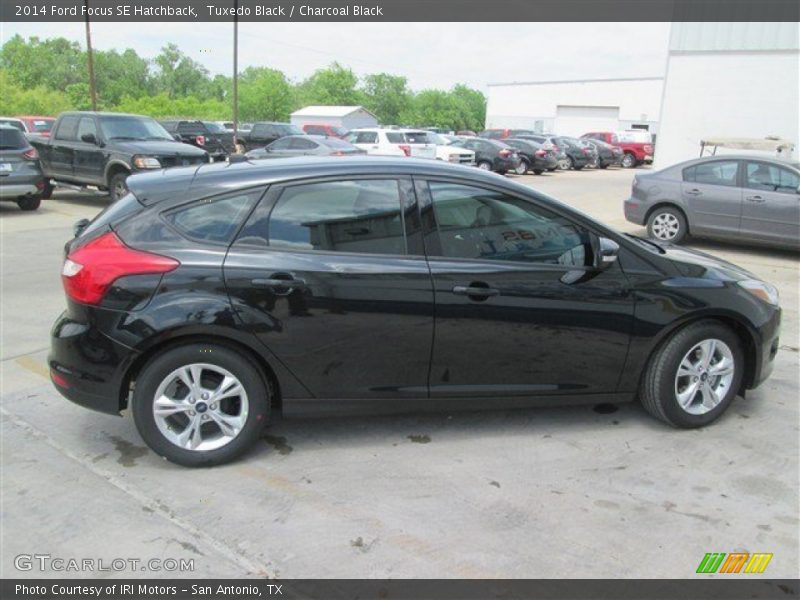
x: 158, y: 137
x: 125, y: 137
x: 646, y: 241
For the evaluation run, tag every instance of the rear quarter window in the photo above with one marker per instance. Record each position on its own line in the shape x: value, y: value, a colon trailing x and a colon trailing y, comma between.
x: 12, y: 139
x: 214, y: 220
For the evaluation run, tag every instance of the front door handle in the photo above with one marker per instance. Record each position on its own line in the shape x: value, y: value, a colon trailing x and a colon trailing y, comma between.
x: 475, y: 292
x: 754, y: 199
x: 694, y: 193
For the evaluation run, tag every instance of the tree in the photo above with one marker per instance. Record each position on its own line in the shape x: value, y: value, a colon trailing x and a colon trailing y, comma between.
x: 121, y: 74
x: 472, y: 105
x: 387, y: 96
x: 334, y: 85
x: 162, y: 106
x: 179, y: 75
x: 264, y: 95
x: 38, y: 100
x: 54, y: 63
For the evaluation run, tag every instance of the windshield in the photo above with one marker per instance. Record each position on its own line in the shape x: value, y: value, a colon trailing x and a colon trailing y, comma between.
x: 133, y: 128
x: 285, y: 129
x: 41, y: 125
x: 435, y: 138
x: 13, y: 123
x: 214, y: 127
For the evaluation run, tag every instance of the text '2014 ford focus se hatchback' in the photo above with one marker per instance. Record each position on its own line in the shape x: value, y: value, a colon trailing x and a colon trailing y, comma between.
x: 211, y: 297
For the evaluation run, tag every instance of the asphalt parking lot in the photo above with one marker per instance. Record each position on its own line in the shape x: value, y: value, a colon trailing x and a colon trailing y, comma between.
x: 570, y: 492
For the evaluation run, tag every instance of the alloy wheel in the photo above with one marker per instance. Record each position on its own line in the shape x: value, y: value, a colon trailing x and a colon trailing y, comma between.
x: 704, y: 376
x: 200, y: 407
x: 665, y: 226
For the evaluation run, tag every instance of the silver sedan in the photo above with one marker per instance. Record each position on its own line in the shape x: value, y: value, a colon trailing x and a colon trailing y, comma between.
x: 735, y: 197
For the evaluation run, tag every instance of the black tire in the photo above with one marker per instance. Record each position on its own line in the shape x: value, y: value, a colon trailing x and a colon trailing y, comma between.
x: 523, y: 167
x: 672, y: 215
x: 29, y: 202
x: 484, y: 165
x: 658, y: 393
x: 538, y: 171
x: 552, y: 169
x: 160, y: 366
x: 577, y: 167
x: 629, y: 160
x: 117, y: 186
x: 602, y: 165
x: 47, y: 191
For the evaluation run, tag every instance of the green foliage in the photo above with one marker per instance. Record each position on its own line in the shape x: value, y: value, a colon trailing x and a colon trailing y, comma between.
x: 48, y: 76
x: 264, y: 95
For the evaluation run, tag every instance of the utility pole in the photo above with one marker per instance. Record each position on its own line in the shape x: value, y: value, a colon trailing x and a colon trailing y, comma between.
x: 92, y: 87
x: 235, y: 72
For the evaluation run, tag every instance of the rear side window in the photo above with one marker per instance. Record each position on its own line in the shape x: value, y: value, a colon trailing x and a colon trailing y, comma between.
x: 719, y: 172
x: 67, y: 128
x: 213, y: 219
x: 340, y: 216
x: 12, y: 139
x: 395, y: 137
x: 114, y: 214
x: 365, y: 137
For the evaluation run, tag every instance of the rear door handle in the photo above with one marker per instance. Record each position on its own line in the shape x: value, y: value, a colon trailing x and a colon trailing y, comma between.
x: 474, y: 291
x: 754, y: 199
x: 694, y: 193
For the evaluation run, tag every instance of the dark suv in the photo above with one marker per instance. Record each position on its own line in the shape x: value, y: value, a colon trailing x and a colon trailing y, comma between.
x: 210, y: 297
x: 209, y: 136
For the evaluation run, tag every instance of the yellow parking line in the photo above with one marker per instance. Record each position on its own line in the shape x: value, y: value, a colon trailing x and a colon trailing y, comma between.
x: 34, y: 366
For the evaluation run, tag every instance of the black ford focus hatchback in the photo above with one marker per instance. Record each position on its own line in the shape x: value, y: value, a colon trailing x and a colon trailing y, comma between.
x: 211, y: 297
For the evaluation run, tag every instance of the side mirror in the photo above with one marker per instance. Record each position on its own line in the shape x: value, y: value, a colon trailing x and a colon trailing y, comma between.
x: 606, y: 252
x: 89, y: 138
x: 79, y: 226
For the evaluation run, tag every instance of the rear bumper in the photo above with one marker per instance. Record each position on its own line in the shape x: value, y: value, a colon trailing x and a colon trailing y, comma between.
x: 86, y: 366
x: 506, y: 164
x: 16, y: 190
x: 635, y: 211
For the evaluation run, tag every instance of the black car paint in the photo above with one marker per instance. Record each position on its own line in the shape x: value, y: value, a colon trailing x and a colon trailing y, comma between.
x: 388, y: 328
x: 219, y: 145
x: 527, y: 150
x: 488, y: 150
x: 264, y: 133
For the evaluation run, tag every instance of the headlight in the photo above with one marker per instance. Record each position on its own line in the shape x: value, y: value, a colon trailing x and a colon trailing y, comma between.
x: 146, y: 162
x: 761, y: 289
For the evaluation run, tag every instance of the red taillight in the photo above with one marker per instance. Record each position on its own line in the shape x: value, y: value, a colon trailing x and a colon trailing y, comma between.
x: 585, y: 151
x: 59, y: 379
x: 91, y: 269
x: 201, y: 140
x: 405, y: 148
x: 540, y: 153
x: 337, y: 153
x: 648, y: 148
x: 31, y: 154
x: 505, y: 153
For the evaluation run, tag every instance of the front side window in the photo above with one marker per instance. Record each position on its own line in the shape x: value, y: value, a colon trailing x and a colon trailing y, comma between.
x: 280, y: 144
x: 719, y: 172
x: 339, y: 216
x: 302, y: 143
x: 213, y: 219
x: 67, y: 128
x: 365, y: 137
x: 477, y: 223
x: 87, y: 126
x: 771, y: 178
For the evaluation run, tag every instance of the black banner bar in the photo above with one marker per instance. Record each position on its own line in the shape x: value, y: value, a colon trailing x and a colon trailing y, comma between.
x: 738, y: 587
x: 402, y: 10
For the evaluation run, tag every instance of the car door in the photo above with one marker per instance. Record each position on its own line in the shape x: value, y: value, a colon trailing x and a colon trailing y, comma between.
x: 89, y: 163
x: 710, y: 191
x: 517, y: 311
x: 324, y: 276
x: 279, y: 148
x: 771, y: 203
x: 62, y: 153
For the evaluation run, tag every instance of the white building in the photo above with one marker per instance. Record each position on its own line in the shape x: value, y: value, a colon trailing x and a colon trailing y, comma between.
x: 576, y: 107
x: 349, y: 117
x: 729, y: 80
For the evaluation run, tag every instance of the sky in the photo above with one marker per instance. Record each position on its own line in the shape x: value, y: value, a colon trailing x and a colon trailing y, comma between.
x: 429, y: 54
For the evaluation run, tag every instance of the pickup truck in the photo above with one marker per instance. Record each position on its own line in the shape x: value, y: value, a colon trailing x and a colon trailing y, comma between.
x: 102, y: 149
x: 207, y: 135
x: 636, y: 144
x: 264, y: 133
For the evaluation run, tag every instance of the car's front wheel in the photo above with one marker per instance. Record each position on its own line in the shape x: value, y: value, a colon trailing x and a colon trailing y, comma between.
x: 200, y: 404
x: 485, y: 165
x: 118, y: 186
x: 695, y: 375
x: 29, y: 202
x: 629, y: 160
x: 667, y: 225
x: 522, y: 167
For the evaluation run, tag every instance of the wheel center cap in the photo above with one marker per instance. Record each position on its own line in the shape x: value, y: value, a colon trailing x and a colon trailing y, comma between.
x: 201, y: 407
x: 704, y: 377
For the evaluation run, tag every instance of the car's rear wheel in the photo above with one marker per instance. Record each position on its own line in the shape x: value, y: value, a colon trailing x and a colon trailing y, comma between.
x: 29, y: 202
x: 485, y: 165
x: 522, y: 168
x: 667, y: 225
x: 200, y: 404
x: 538, y: 171
x: 694, y: 376
x: 628, y: 161
x: 118, y: 186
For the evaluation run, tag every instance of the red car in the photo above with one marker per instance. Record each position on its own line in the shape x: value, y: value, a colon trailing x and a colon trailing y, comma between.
x: 501, y: 134
x: 40, y: 125
x: 635, y: 143
x: 333, y: 131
